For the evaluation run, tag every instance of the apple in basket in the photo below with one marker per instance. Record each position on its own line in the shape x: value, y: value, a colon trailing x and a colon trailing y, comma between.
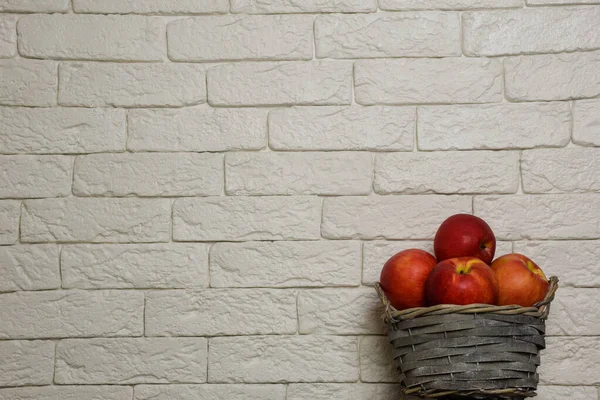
x: 462, y: 280
x: 520, y: 280
x: 463, y: 235
x: 403, y: 278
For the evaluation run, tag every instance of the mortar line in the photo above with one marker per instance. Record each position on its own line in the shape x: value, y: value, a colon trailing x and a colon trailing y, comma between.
x: 571, y: 121
x: 521, y: 187
x: 209, y: 263
x: 144, y: 316
x: 127, y: 112
x: 207, y: 360
x: 298, y: 312
x: 60, y: 272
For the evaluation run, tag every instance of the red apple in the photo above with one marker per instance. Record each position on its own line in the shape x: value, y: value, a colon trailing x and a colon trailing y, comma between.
x: 520, y: 280
x: 403, y: 278
x: 464, y: 235
x: 462, y: 280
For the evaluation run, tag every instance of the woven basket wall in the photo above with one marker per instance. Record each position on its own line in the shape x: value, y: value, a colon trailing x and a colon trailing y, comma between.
x: 481, y: 351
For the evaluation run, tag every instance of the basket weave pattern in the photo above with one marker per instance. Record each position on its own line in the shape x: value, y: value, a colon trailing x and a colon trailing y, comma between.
x: 475, y: 350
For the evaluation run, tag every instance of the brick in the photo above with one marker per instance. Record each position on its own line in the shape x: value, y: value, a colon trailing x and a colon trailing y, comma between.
x: 26, y: 362
x: 574, y: 312
x: 28, y: 83
x: 494, y: 126
x: 586, y: 122
x: 131, y: 361
x: 553, y: 2
x: 573, y: 169
x: 148, y: 174
x: 61, y: 130
x: 68, y: 393
x: 278, y: 359
x: 135, y: 266
x: 376, y: 217
x: 402, y: 5
x: 287, y: 83
x: 305, y: 6
x: 343, y: 391
x: 405, y: 81
x: 342, y: 128
x: 246, y: 218
x: 339, y: 173
x: 566, y: 392
x: 434, y: 34
x: 8, y: 35
x: 151, y: 6
x: 494, y: 33
x: 552, y: 76
x: 131, y: 85
x: 215, y: 312
x: 570, y: 361
x: 339, y: 311
x: 541, y: 216
x: 377, y: 252
x: 210, y: 392
x: 35, y: 176
x: 285, y: 264
x: 197, y: 129
x: 9, y: 221
x: 447, y: 172
x: 30, y: 267
x: 223, y: 38
x: 574, y: 261
x: 58, y: 314
x: 376, y: 361
x: 96, y: 220
x: 92, y: 37
x: 35, y: 5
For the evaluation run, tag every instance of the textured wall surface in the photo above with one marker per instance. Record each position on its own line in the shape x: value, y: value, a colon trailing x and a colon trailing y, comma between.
x: 197, y: 196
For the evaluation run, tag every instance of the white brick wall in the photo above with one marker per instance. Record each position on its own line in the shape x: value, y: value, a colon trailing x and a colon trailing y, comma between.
x: 224, y: 38
x: 29, y: 267
x: 71, y: 314
x: 529, y: 31
x: 208, y: 391
x: 68, y: 392
x: 30, y: 83
x: 134, y: 266
x: 401, y: 5
x: 91, y: 37
x: 148, y: 174
x: 151, y: 6
x: 339, y: 173
x: 296, y: 358
x: 444, y: 80
x: 434, y: 34
x: 197, y: 196
x: 8, y: 35
x: 47, y: 6
x: 130, y: 361
x: 250, y: 84
x: 221, y: 312
x: 552, y: 77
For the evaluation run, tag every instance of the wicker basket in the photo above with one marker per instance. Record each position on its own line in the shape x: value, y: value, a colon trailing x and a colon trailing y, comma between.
x: 477, y: 350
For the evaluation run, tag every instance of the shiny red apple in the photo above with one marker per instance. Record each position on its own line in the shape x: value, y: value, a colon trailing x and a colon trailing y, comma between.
x: 520, y: 280
x: 462, y: 280
x: 403, y: 278
x: 464, y: 235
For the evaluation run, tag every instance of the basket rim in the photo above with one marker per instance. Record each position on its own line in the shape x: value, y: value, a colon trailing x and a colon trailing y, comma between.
x: 540, y: 309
